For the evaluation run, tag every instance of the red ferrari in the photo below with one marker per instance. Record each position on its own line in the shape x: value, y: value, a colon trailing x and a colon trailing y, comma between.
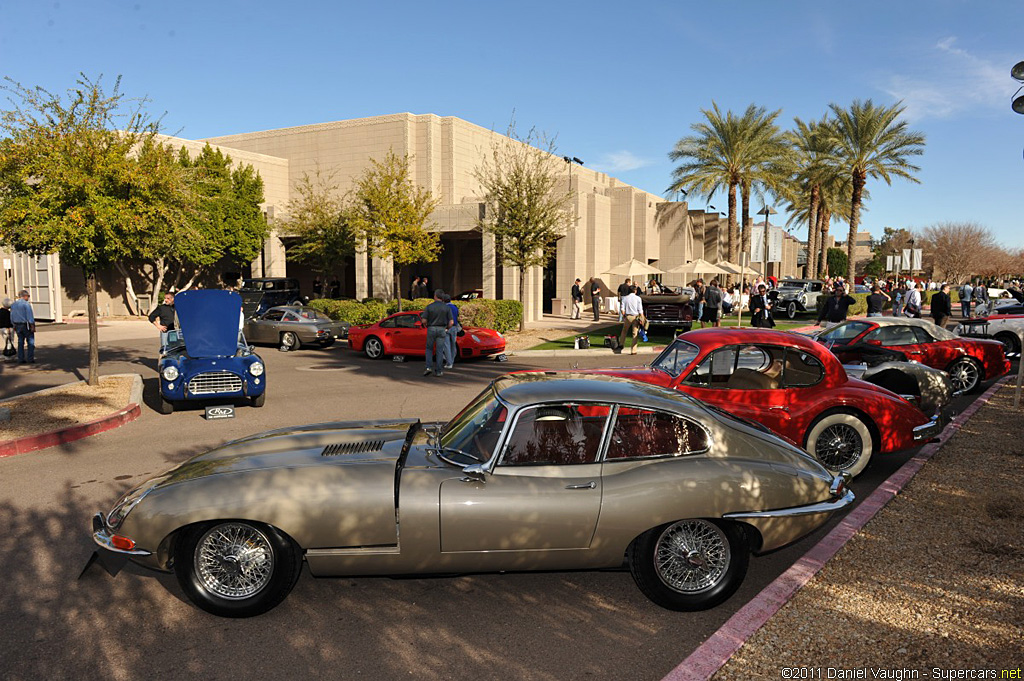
x: 403, y: 333
x: 968, y: 361
x: 793, y: 386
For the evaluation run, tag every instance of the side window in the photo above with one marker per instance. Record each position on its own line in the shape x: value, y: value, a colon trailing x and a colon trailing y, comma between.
x: 290, y: 317
x: 557, y: 434
x: 745, y: 367
x: 816, y: 287
x: 921, y: 335
x: 802, y: 369
x: 641, y: 433
x: 893, y: 335
x: 406, y: 321
x: 715, y: 370
x: 274, y: 315
x: 388, y: 323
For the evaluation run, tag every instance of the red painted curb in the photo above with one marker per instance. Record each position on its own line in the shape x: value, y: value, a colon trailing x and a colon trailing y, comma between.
x: 711, y: 655
x: 58, y: 437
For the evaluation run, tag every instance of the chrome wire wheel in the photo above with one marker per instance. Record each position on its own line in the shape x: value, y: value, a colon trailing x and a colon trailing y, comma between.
x: 234, y: 560
x: 289, y: 341
x: 692, y: 556
x: 838, y: 447
x: 965, y: 376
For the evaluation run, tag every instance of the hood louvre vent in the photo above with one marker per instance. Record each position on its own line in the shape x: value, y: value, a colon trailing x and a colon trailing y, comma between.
x: 353, y: 448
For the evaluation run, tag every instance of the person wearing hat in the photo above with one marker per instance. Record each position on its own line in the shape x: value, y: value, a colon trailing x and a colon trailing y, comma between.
x: 835, y: 308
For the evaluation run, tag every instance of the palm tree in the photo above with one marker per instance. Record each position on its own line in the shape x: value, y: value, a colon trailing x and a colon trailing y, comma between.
x: 811, y: 147
x: 711, y: 160
x: 870, y: 142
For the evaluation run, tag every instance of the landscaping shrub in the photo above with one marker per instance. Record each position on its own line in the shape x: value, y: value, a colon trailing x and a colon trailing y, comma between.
x: 501, y: 315
x: 350, y: 311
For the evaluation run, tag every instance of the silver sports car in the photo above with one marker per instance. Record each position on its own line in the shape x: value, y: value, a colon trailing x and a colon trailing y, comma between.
x: 291, y: 326
x: 539, y: 472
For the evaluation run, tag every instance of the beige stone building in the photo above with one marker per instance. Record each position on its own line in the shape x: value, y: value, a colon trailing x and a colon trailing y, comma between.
x: 615, y: 222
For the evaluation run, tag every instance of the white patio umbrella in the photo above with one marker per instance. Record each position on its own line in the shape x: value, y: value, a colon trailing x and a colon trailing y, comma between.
x: 634, y: 268
x: 699, y: 266
x: 733, y: 268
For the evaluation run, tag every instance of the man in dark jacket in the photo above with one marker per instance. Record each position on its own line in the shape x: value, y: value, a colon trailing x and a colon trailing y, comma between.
x: 577, y: 300
x: 835, y: 308
x: 163, y: 318
x: 595, y: 298
x: 437, y: 317
x: 942, y: 306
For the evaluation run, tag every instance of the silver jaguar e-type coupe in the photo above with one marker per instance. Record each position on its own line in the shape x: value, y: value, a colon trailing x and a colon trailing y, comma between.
x: 541, y: 471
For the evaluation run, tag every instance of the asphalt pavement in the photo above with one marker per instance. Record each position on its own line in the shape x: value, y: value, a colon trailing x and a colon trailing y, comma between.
x: 564, y: 625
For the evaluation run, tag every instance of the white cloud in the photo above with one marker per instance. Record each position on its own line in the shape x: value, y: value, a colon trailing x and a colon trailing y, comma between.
x: 620, y: 162
x: 954, y: 82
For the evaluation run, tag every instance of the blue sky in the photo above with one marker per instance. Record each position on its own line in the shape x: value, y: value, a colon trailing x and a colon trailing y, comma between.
x: 618, y: 83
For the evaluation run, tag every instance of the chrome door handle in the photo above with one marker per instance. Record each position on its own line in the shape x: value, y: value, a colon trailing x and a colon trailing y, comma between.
x: 785, y: 409
x: 586, y: 485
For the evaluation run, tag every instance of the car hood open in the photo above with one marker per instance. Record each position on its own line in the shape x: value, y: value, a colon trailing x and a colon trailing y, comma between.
x: 210, y: 322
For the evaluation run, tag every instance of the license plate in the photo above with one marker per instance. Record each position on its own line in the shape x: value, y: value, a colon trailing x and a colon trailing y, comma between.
x: 220, y: 412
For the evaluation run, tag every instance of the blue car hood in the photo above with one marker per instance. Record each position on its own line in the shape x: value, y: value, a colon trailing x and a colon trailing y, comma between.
x: 210, y: 322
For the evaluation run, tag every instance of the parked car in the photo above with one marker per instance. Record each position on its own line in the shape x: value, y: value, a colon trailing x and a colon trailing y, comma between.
x: 207, y: 357
x: 673, y: 307
x: 798, y: 295
x: 261, y: 294
x: 1005, y: 328
x: 793, y: 386
x: 538, y: 472
x: 403, y: 333
x: 290, y: 327
x: 968, y: 361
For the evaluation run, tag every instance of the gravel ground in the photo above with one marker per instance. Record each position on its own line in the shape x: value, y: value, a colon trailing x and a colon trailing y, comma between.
x: 64, y: 407
x: 935, y: 582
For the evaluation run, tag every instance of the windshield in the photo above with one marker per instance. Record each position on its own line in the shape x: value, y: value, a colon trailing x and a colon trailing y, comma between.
x: 676, y: 358
x: 472, y: 435
x: 791, y: 284
x: 844, y: 333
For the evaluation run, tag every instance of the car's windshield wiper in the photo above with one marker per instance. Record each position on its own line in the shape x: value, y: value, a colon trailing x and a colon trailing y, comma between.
x: 441, y: 450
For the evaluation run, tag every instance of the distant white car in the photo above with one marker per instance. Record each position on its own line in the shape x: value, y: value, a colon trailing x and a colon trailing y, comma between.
x: 1007, y: 329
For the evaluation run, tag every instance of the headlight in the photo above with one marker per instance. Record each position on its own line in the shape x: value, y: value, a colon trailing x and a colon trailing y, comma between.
x: 476, y: 338
x: 170, y: 372
x: 256, y: 368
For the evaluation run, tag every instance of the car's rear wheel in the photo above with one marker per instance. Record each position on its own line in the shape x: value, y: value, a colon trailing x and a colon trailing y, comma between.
x: 1011, y: 343
x: 966, y: 375
x: 236, y: 568
x: 841, y: 442
x: 165, y: 406
x: 689, y: 564
x: 791, y: 310
x: 289, y: 341
x: 373, y: 348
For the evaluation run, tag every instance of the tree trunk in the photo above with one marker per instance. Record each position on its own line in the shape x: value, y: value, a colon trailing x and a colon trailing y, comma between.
x: 522, y: 298
x: 745, y: 215
x: 812, y: 234
x: 859, y: 179
x: 734, y: 230
x: 397, y: 284
x: 132, y: 299
x: 94, y: 331
x: 824, y: 219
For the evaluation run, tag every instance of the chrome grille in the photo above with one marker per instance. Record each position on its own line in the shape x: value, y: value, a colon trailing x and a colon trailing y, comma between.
x: 353, y: 448
x: 214, y: 382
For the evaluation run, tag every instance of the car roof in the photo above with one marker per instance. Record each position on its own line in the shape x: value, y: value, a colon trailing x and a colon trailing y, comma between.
x: 722, y: 336
x: 533, y: 387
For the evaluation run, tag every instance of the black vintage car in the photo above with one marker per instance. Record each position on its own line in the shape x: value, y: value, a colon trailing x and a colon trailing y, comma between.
x: 672, y: 307
x: 259, y: 295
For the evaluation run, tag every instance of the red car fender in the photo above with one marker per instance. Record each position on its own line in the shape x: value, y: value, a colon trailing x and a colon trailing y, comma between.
x: 891, y: 417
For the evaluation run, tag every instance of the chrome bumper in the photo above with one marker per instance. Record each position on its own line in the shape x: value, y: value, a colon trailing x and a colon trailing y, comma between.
x: 928, y: 430
x: 841, y: 500
x: 102, y: 535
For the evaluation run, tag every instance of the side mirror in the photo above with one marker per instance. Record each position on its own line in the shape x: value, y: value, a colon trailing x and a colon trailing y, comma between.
x: 475, y: 473
x: 874, y: 341
x: 419, y: 323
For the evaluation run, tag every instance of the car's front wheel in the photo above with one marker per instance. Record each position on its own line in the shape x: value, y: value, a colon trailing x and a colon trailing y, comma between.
x: 259, y: 400
x: 165, y: 406
x: 841, y: 442
x: 289, y: 341
x: 966, y: 375
x: 791, y: 310
x: 236, y: 568
x: 373, y: 348
x: 689, y: 564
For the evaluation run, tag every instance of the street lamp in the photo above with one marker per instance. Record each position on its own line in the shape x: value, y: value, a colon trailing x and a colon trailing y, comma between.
x: 766, y: 211
x: 1017, y: 73
x: 569, y: 161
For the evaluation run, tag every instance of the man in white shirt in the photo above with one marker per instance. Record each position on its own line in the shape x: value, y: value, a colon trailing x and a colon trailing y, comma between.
x: 632, y: 312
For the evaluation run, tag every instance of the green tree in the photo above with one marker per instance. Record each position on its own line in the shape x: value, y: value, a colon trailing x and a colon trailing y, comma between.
x: 811, y: 151
x: 390, y: 213
x: 837, y: 262
x: 522, y: 209
x: 318, y: 218
x: 871, y: 142
x: 893, y: 240
x: 766, y: 164
x: 82, y: 175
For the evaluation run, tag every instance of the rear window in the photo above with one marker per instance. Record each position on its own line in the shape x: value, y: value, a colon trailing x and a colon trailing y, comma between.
x: 644, y: 433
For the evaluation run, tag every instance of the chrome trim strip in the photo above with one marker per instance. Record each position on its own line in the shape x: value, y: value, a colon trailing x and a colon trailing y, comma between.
x: 830, y: 506
x: 928, y: 430
x: 102, y: 536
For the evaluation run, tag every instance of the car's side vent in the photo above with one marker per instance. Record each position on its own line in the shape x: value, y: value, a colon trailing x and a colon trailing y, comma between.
x: 353, y: 448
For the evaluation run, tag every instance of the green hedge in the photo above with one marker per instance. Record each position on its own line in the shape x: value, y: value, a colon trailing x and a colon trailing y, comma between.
x: 501, y: 315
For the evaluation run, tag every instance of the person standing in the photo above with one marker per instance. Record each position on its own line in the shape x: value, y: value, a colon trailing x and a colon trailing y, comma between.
x: 438, y: 318
x: 980, y: 297
x: 624, y: 290
x: 712, y: 304
x: 698, y: 300
x: 414, y: 289
x: 424, y: 288
x: 23, y: 320
x: 577, y: 300
x: 453, y: 333
x: 942, y: 306
x: 633, y: 314
x: 318, y: 288
x: 6, y: 327
x: 876, y: 301
x: 761, y: 309
x: 595, y: 298
x: 912, y: 306
x: 163, y: 318
x: 966, y: 292
x: 836, y: 307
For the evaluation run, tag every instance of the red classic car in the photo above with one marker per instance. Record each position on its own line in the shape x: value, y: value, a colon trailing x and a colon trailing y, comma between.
x: 793, y: 386
x: 403, y: 333
x: 968, y: 361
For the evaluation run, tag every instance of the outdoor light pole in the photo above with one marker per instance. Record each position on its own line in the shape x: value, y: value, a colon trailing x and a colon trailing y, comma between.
x: 766, y: 211
x: 570, y: 160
